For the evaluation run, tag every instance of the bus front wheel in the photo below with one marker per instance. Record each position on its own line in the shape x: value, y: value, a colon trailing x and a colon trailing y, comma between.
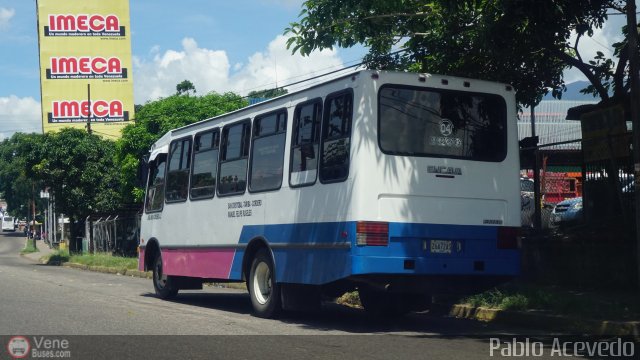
x: 163, y: 284
x: 264, y: 291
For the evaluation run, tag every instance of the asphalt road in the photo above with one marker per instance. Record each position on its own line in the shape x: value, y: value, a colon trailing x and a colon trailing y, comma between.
x: 100, y: 314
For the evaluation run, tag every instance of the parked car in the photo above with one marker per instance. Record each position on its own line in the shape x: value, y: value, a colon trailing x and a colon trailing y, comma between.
x: 526, y: 185
x: 567, y: 211
x: 526, y: 201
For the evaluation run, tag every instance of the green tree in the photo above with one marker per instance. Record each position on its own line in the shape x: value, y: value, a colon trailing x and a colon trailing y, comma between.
x: 17, y: 187
x: 156, y: 118
x: 525, y: 43
x: 80, y: 170
x: 184, y: 87
x: 268, y: 93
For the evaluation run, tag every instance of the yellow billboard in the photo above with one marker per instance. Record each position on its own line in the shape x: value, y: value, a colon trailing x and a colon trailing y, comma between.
x: 85, y: 65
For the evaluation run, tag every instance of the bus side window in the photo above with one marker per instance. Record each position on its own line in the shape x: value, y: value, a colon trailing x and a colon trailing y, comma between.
x: 155, y: 187
x: 205, y: 165
x: 267, y: 152
x: 336, y: 137
x: 232, y: 176
x: 178, y: 170
x: 304, y: 144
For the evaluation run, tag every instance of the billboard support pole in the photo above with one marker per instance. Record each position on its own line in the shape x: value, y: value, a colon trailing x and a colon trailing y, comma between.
x: 89, y: 108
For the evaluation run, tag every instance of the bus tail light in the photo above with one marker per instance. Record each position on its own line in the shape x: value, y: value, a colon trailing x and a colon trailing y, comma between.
x: 508, y: 237
x: 371, y: 233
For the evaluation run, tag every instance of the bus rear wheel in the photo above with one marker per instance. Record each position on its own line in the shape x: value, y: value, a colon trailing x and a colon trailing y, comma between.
x: 263, y: 289
x: 163, y: 284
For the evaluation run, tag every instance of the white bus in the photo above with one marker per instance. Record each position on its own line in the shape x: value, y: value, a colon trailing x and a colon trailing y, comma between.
x: 8, y: 223
x: 395, y: 184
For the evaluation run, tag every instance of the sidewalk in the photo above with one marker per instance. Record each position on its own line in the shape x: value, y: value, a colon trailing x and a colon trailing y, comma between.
x: 552, y: 322
x: 557, y: 308
x: 43, y: 250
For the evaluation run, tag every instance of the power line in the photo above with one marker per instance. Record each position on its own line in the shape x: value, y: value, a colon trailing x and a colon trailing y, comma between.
x: 301, y: 81
x: 267, y: 85
x: 105, y: 134
x: 339, y: 70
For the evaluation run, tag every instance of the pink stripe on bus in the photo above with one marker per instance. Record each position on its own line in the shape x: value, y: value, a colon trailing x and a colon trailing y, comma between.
x: 203, y: 263
x: 141, y: 259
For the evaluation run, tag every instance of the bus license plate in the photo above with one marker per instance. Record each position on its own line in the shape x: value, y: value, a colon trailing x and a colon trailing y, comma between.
x: 440, y: 246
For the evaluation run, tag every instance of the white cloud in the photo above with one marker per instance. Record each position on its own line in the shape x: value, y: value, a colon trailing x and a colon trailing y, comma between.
x: 158, y: 78
x: 5, y: 17
x: 284, y: 3
x: 277, y: 66
x: 210, y: 70
x: 19, y: 115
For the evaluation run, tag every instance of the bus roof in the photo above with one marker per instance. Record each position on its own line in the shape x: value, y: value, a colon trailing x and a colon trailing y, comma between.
x: 161, y: 145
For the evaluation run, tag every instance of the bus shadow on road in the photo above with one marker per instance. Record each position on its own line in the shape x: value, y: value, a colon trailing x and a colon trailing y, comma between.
x: 334, y: 317
x: 236, y: 302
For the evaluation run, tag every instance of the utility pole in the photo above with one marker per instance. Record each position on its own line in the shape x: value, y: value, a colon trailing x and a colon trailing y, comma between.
x: 47, y: 218
x: 33, y: 218
x: 54, y: 220
x: 537, y: 214
x: 632, y: 29
x: 89, y: 108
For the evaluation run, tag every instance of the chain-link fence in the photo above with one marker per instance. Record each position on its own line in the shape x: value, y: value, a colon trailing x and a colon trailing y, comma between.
x: 115, y: 234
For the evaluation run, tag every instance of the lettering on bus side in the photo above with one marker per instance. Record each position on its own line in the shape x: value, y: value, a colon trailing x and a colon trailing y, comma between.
x: 239, y: 209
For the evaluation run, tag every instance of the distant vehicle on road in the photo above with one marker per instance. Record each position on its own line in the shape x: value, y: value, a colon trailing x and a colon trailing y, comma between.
x: 8, y: 223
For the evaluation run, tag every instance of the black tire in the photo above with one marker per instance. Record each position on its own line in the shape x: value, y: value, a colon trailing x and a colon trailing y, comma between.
x: 263, y: 289
x: 165, y: 288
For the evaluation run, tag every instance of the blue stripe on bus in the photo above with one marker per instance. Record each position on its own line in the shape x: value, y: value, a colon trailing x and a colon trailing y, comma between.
x: 302, y: 265
x: 315, y: 253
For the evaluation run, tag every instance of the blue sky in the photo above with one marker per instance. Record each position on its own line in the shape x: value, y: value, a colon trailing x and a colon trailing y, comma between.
x: 219, y: 45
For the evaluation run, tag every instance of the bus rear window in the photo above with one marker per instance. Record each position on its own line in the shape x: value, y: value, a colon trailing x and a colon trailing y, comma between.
x: 442, y: 123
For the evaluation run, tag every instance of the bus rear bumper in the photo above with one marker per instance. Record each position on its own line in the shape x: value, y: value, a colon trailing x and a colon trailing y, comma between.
x: 507, y: 266
x: 430, y: 284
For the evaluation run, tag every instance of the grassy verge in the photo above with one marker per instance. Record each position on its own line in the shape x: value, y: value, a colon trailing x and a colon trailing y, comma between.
x: 350, y: 299
x: 511, y: 299
x: 604, y: 304
x: 29, y: 248
x: 104, y: 260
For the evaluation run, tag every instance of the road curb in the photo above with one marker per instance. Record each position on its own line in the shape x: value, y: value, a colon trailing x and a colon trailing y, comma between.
x: 140, y: 274
x: 550, y: 322
x: 109, y: 270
